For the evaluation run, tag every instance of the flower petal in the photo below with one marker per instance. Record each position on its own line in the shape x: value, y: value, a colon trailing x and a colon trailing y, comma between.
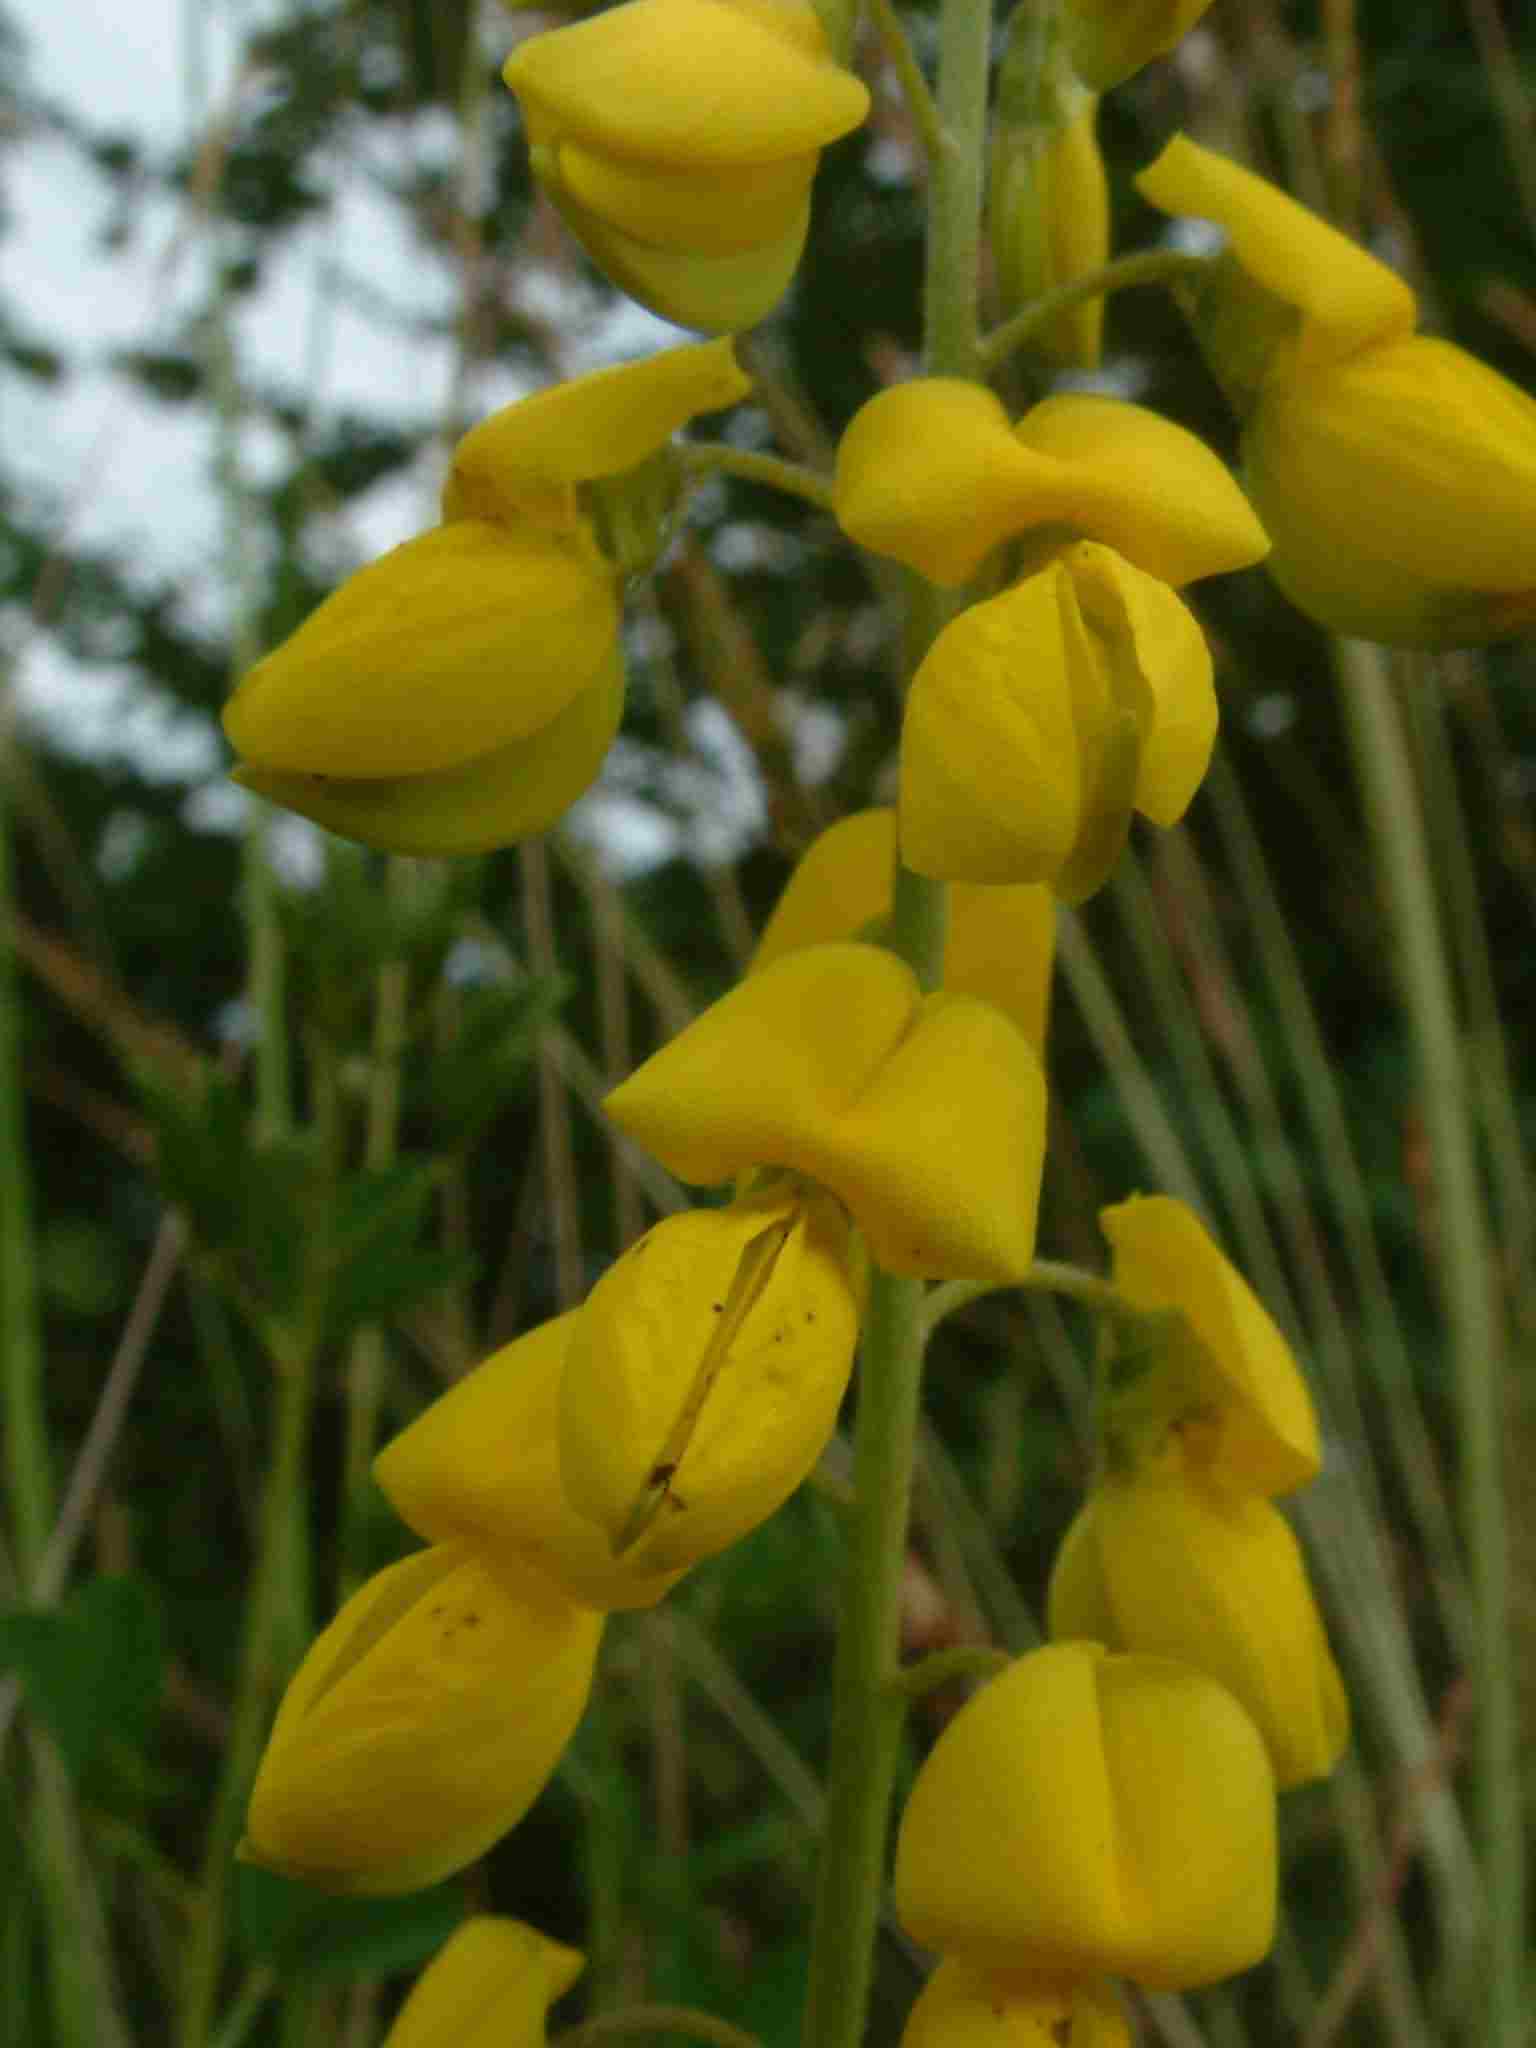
x: 481, y: 1468
x: 500, y: 797
x: 461, y: 640
x: 1347, y: 299
x: 489, y: 1986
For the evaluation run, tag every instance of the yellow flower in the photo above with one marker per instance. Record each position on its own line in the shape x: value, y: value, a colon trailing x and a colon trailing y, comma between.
x: 1086, y: 1814
x: 461, y: 692
x: 962, y: 2007
x: 1040, y: 719
x: 1395, y: 474
x: 1110, y: 40
x: 931, y: 473
x: 704, y: 1375
x: 489, y: 1986
x: 422, y: 1725
x: 1166, y: 1563
x: 1001, y: 941
x: 925, y: 1115
x: 1225, y: 1376
x: 679, y: 139
x: 481, y: 1468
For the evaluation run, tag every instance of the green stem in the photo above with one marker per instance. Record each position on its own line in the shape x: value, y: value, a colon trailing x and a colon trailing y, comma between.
x: 967, y: 1660
x: 1150, y: 266
x: 955, y: 192
x: 922, y: 106
x: 866, y: 1715
x: 719, y: 458
x: 28, y: 1477
x: 262, y: 1660
x: 1045, y: 1276
x: 1465, y: 1272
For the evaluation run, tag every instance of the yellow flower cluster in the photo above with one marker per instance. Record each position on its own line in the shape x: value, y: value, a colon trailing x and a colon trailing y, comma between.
x: 1394, y: 473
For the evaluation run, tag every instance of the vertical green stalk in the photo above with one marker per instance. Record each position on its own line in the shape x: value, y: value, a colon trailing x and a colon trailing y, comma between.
x: 28, y: 1480
x: 1465, y: 1272
x: 866, y: 1713
x: 262, y: 1670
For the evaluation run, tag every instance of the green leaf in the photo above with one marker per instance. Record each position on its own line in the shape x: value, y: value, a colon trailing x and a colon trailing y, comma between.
x: 92, y: 1668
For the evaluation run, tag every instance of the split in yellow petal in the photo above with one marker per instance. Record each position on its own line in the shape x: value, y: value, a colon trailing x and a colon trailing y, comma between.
x: 1001, y: 941
x: 489, y: 1986
x: 964, y: 2007
x: 1247, y: 1423
x: 422, y: 1725
x: 1164, y: 1563
x: 704, y: 1376
x: 1086, y: 1814
x: 481, y: 1468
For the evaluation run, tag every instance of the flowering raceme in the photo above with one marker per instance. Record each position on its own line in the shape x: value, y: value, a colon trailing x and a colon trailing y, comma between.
x: 489, y: 1986
x: 461, y: 692
x: 1394, y: 473
x: 679, y: 140
x: 924, y: 1115
x: 422, y: 1724
x: 1087, y: 1814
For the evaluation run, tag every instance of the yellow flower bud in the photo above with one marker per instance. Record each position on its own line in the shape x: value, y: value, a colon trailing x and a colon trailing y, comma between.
x: 679, y: 139
x: 1111, y: 40
x: 1242, y: 1409
x: 489, y: 1986
x: 1395, y: 474
x: 422, y: 1725
x: 1166, y: 1564
x: 1048, y: 223
x: 704, y: 1375
x: 1001, y: 941
x: 931, y: 473
x: 481, y: 1467
x: 461, y: 692
x: 925, y: 1115
x: 963, y: 2007
x: 1040, y: 719
x: 1087, y: 1814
